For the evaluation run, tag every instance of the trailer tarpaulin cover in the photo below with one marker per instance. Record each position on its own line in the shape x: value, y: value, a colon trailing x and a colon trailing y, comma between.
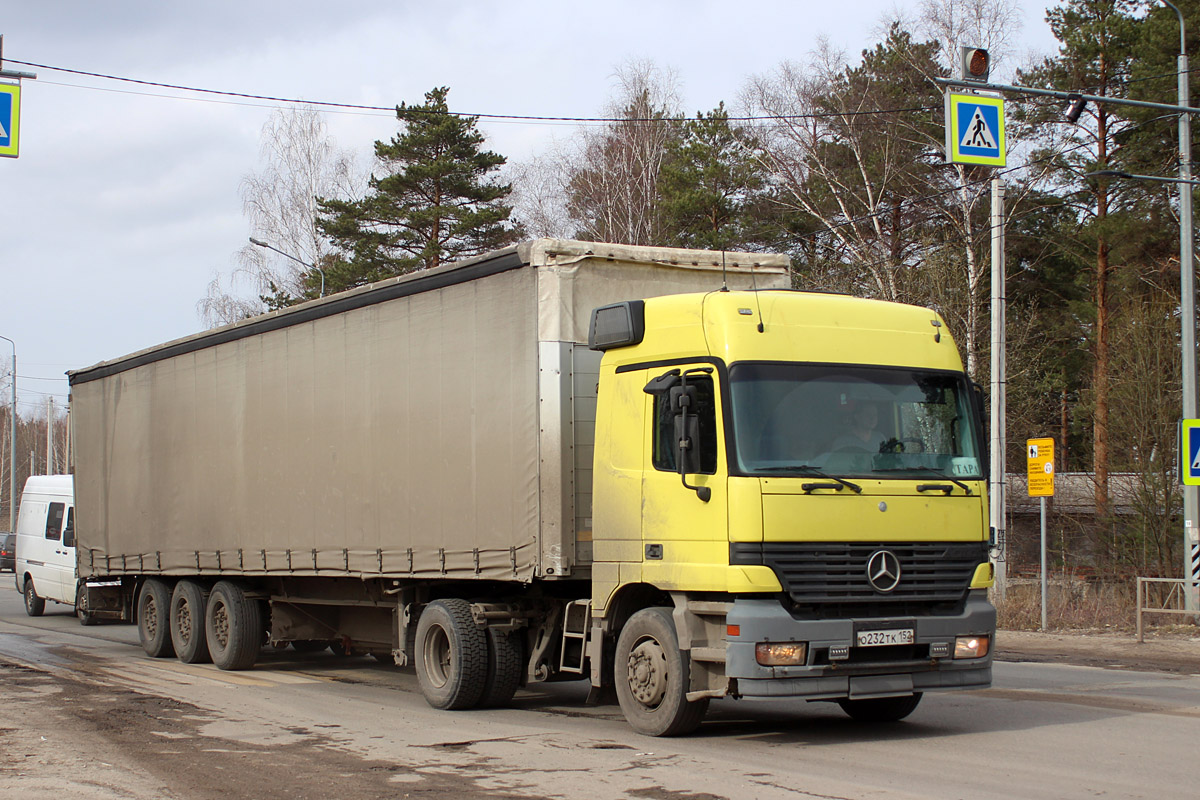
x: 398, y: 438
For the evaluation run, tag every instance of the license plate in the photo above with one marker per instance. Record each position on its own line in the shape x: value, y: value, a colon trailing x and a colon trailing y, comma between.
x: 881, y: 638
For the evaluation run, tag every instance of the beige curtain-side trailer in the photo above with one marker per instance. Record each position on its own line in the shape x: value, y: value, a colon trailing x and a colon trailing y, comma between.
x: 436, y: 425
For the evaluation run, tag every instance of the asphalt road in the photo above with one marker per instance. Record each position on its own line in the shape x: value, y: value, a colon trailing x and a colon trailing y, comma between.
x: 84, y: 713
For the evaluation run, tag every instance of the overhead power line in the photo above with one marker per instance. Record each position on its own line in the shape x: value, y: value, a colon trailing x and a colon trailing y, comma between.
x: 515, y: 117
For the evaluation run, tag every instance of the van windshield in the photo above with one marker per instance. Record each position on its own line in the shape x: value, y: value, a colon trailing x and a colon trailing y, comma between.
x: 853, y: 421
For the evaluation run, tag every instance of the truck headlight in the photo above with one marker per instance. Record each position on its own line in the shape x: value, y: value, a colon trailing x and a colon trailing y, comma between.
x: 971, y: 646
x: 781, y: 654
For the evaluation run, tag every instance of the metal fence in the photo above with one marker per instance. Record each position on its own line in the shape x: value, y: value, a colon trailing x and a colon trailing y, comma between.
x: 1164, y: 596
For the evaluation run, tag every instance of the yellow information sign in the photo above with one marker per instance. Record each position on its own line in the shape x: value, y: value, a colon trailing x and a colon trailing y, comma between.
x: 1040, y: 466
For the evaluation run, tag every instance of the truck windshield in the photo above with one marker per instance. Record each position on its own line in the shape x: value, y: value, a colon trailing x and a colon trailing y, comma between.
x: 853, y: 421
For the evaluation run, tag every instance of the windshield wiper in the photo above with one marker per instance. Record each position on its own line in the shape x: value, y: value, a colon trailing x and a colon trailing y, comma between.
x: 928, y: 471
x: 808, y: 469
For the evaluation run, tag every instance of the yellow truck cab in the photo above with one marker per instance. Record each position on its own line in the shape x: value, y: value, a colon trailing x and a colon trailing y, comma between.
x: 790, y: 501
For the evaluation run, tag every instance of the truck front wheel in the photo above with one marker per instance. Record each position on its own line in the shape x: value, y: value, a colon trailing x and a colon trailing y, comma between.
x: 233, y: 627
x: 452, y: 655
x: 881, y: 709
x: 652, y: 676
x: 153, y: 613
x: 187, y: 623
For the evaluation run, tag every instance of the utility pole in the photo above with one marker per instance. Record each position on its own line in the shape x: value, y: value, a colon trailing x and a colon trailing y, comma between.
x: 998, y: 386
x: 12, y: 444
x: 49, y: 435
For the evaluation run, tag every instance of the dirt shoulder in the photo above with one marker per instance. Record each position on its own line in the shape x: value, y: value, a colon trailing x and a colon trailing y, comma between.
x: 1178, y: 653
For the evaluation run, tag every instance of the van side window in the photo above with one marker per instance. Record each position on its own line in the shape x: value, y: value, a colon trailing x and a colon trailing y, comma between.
x: 666, y: 448
x: 54, y: 521
x: 68, y: 539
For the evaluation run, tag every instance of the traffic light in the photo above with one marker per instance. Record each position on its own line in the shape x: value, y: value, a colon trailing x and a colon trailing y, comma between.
x: 1075, y: 106
x: 974, y: 65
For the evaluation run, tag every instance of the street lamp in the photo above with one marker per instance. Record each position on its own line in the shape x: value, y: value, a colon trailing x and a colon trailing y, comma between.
x: 12, y: 444
x: 261, y: 243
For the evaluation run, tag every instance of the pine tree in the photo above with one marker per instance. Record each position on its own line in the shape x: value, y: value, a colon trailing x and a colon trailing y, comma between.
x: 708, y: 183
x: 438, y: 202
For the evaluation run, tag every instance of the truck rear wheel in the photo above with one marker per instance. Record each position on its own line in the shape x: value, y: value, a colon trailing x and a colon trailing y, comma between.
x: 187, y: 623
x: 452, y: 655
x: 504, y: 667
x: 153, y: 613
x: 34, y: 605
x: 233, y: 627
x: 652, y: 677
x: 881, y: 709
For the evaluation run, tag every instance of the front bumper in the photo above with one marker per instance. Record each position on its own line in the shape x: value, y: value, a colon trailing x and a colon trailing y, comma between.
x: 871, y: 672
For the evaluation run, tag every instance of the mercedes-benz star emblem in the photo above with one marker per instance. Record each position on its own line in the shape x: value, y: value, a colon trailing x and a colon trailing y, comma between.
x: 883, y: 571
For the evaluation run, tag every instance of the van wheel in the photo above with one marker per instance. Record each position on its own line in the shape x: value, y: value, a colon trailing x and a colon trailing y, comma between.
x: 153, y: 613
x: 187, y: 623
x: 881, y: 709
x: 86, y: 617
x: 234, y: 627
x: 452, y: 655
x: 505, y: 664
x: 34, y: 605
x: 652, y: 677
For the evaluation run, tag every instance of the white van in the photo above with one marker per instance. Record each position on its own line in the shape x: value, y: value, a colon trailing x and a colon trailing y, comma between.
x: 46, y: 542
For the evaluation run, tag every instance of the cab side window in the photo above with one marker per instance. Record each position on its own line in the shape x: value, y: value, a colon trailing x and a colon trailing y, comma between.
x: 68, y: 539
x: 54, y: 521
x: 666, y: 448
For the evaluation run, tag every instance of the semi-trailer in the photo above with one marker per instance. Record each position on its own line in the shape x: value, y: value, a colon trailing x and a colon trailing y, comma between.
x: 660, y: 470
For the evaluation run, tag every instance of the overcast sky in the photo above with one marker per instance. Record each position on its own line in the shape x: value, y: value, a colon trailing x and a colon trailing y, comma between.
x: 124, y: 200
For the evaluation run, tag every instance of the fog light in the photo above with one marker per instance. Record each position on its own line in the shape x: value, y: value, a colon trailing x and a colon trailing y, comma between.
x: 781, y: 654
x: 939, y: 649
x: 970, y: 647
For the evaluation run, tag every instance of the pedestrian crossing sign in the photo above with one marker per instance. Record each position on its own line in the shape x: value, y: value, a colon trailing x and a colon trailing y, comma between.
x: 10, y: 118
x: 975, y: 129
x: 1189, y: 456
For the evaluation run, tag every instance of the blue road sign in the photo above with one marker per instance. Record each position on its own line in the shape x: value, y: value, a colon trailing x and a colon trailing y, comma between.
x: 975, y: 129
x: 10, y: 118
x: 1189, y: 457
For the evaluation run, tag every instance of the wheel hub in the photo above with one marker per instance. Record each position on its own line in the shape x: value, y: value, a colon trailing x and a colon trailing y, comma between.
x: 647, y: 673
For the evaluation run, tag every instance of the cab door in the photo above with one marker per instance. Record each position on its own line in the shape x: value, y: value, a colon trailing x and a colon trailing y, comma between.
x: 684, y: 513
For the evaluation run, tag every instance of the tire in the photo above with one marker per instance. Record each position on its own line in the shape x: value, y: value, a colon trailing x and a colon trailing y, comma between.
x: 881, y: 709
x: 505, y: 664
x: 188, y: 611
x: 34, y: 605
x: 153, y: 619
x: 233, y: 626
x: 85, y: 616
x: 451, y: 655
x: 652, y: 676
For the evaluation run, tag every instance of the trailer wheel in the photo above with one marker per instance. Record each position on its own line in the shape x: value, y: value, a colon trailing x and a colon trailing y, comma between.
x: 881, y: 709
x: 234, y: 627
x: 188, y: 610
x: 86, y: 617
x: 153, y: 614
x: 452, y: 655
x: 652, y: 676
x: 504, y: 667
x: 34, y: 605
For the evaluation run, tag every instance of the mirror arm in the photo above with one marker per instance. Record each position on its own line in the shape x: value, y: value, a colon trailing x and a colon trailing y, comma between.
x: 685, y: 444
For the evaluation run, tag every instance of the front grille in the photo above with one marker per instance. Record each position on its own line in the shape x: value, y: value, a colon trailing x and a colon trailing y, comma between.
x: 830, y: 578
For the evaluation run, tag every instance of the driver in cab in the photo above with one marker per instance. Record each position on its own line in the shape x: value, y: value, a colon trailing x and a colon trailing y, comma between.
x: 862, y: 434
